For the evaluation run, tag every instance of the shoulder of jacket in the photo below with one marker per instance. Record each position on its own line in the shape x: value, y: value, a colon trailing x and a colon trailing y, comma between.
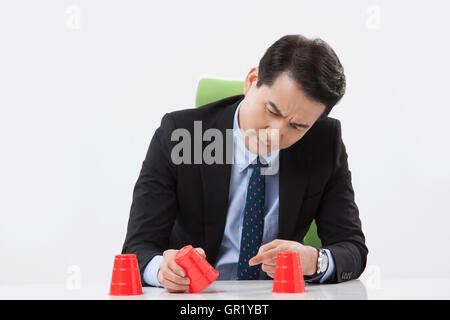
x: 323, y: 129
x: 327, y: 123
x: 184, y: 118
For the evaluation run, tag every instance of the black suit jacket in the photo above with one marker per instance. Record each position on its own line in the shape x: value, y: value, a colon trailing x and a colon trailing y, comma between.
x: 175, y: 205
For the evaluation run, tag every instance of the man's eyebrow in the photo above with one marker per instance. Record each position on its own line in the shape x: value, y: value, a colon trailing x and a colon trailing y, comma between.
x: 274, y: 106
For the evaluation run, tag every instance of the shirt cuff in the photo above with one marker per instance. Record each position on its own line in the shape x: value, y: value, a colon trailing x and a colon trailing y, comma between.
x: 329, y: 271
x: 150, y: 274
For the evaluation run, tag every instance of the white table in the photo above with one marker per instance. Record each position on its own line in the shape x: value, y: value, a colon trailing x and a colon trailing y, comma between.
x: 423, y: 288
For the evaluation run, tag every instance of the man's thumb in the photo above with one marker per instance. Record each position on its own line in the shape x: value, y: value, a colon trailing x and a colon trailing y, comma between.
x: 201, y: 251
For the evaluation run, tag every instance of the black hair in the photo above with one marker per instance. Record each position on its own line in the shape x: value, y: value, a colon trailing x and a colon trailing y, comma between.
x: 312, y: 63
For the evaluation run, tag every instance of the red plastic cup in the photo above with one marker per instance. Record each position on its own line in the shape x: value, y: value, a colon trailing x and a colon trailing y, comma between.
x: 200, y: 273
x: 288, y: 274
x: 126, y: 280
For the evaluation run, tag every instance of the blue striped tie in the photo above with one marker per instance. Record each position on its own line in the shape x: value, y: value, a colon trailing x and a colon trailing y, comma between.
x: 253, y: 224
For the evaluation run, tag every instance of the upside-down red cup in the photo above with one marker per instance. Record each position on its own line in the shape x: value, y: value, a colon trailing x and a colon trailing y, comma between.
x: 200, y: 273
x: 288, y: 274
x: 126, y: 280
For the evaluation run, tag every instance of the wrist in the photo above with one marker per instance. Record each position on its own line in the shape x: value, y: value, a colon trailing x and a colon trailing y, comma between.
x: 322, y: 263
x: 312, y: 266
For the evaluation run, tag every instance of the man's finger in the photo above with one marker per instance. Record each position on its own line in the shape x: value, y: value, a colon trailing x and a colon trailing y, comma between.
x: 268, y: 256
x: 271, y: 263
x: 175, y: 287
x: 201, y: 251
x: 266, y: 247
x: 168, y: 274
x: 270, y: 245
x: 268, y: 268
x: 176, y: 268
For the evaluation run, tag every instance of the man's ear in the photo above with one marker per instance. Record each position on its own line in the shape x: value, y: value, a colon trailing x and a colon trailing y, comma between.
x: 251, y: 79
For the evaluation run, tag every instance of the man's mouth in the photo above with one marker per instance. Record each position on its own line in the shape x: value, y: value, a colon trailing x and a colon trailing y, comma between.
x: 262, y: 143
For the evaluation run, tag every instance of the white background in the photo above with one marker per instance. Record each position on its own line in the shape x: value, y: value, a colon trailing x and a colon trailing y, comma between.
x: 84, y: 84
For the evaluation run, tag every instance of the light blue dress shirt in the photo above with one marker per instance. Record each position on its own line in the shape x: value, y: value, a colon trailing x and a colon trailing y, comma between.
x: 228, y: 255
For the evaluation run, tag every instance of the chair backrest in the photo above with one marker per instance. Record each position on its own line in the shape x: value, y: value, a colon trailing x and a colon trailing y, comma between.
x: 210, y: 90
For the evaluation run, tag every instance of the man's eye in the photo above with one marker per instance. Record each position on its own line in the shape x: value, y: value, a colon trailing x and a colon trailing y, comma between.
x: 275, y: 114
x: 296, y: 127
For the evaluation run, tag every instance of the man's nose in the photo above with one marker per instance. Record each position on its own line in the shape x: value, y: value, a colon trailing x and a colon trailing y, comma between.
x: 274, y: 136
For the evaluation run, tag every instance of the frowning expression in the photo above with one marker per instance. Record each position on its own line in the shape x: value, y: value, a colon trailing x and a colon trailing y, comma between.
x: 281, y: 111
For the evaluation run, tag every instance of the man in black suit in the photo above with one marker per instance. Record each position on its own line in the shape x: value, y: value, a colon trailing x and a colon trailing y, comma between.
x: 285, y: 108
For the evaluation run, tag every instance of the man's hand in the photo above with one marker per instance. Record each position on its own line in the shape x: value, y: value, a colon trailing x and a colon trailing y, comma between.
x: 171, y: 275
x: 267, y: 255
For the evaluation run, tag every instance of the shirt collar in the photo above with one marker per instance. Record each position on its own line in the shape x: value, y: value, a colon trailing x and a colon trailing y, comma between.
x: 242, y: 156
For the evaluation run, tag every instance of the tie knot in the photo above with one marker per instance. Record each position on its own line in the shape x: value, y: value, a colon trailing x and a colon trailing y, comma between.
x: 258, y: 163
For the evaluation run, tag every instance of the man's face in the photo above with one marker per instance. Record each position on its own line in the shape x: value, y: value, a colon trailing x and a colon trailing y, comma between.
x: 280, y: 111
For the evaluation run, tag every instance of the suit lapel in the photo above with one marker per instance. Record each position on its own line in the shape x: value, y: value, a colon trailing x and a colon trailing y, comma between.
x: 216, y: 183
x: 294, y: 176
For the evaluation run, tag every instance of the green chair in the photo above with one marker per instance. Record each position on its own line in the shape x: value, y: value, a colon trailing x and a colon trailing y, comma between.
x: 210, y: 90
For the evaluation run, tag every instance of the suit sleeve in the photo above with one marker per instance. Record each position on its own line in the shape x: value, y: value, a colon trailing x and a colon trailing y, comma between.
x: 338, y: 222
x: 154, y: 205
